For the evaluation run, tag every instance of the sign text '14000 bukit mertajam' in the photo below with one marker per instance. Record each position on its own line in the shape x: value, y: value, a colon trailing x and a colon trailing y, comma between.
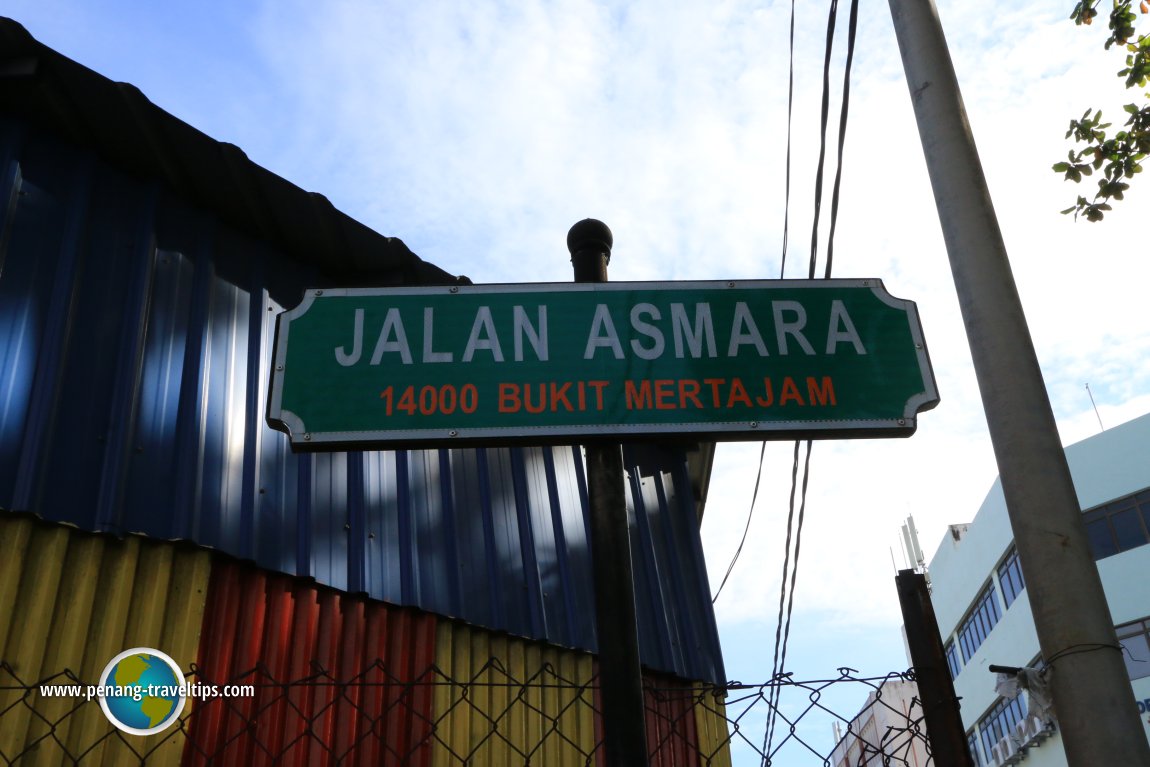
x: 538, y: 363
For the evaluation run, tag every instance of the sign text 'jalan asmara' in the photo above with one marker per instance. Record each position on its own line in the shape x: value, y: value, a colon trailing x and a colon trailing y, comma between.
x: 552, y: 362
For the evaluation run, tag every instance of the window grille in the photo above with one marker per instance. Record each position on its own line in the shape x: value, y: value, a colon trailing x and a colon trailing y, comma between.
x: 976, y: 627
x: 1010, y: 577
x: 1120, y: 525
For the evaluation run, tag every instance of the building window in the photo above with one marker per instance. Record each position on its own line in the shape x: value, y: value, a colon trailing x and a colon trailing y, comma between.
x: 972, y: 742
x: 1001, y: 720
x: 1135, y: 640
x: 1119, y: 525
x: 952, y: 660
x: 1010, y: 577
x: 978, y: 623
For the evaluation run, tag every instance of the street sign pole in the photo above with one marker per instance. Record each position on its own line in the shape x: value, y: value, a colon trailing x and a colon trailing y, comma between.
x: 1092, y: 694
x: 620, y: 674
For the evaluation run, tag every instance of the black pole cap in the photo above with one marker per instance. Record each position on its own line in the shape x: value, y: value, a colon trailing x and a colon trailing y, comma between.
x: 590, y: 234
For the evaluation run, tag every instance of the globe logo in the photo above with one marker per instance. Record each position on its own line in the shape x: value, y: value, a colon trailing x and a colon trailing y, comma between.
x: 143, y: 691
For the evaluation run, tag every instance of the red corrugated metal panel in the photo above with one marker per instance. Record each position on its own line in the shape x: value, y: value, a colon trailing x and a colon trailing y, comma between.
x: 673, y: 737
x: 338, y: 678
x: 345, y: 679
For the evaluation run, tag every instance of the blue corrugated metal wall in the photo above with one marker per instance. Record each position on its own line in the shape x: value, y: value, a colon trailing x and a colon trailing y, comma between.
x: 135, y: 338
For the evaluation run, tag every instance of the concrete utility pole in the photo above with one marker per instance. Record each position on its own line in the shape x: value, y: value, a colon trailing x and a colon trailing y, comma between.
x: 1092, y: 696
x: 620, y: 675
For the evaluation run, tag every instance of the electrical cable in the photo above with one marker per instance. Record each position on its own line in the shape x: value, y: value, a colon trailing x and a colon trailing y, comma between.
x: 831, y: 18
x: 790, y: 111
x: 787, y: 592
x: 852, y: 29
x: 782, y: 273
x: 780, y: 637
x: 798, y: 549
x: 750, y: 512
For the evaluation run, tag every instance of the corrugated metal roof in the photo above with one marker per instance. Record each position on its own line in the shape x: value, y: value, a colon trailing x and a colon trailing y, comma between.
x: 119, y: 123
x: 135, y: 337
x: 71, y: 601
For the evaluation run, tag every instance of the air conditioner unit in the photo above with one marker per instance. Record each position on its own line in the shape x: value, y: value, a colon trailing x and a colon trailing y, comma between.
x: 1023, y: 730
x: 1006, y: 752
x: 1031, y: 731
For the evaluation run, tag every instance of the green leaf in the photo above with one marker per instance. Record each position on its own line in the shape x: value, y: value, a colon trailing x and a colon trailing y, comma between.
x: 1116, y: 158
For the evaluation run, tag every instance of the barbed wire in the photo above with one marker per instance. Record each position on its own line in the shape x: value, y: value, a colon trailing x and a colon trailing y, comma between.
x: 486, y: 716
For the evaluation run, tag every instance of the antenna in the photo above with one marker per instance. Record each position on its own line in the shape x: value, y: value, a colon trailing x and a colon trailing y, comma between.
x: 918, y: 557
x: 1100, y: 426
x: 910, y: 544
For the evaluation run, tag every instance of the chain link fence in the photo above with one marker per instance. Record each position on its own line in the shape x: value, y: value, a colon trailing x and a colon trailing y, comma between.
x: 489, y: 718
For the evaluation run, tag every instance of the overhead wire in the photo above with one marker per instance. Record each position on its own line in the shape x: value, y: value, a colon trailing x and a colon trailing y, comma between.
x: 790, y: 112
x: 790, y: 568
x: 746, y: 527
x: 852, y: 29
x: 781, y: 637
x: 782, y: 273
x: 823, y: 136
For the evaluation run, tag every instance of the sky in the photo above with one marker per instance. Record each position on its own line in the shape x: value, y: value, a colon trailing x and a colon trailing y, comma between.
x: 479, y: 133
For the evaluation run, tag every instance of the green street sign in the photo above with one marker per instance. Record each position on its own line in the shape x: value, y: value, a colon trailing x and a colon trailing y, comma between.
x: 540, y: 363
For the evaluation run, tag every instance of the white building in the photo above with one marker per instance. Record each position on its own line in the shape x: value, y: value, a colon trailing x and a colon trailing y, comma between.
x: 888, y: 730
x: 983, y: 615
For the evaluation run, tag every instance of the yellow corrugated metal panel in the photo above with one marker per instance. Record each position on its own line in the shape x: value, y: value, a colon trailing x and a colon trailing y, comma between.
x: 523, y: 700
x: 70, y: 601
x: 711, y: 725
